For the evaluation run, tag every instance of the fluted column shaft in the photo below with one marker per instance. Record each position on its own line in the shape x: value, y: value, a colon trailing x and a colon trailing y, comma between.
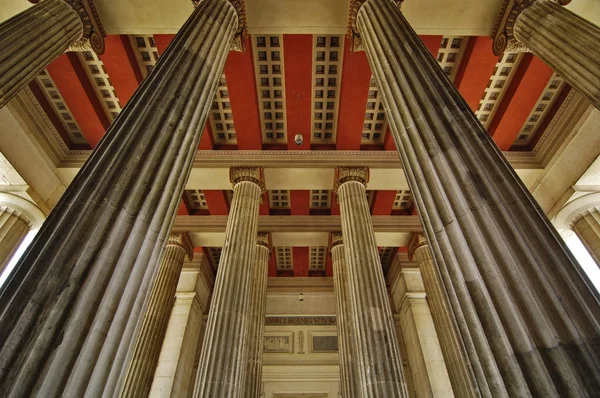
x: 146, y: 350
x: 348, y: 373
x: 587, y: 227
x: 378, y: 361
x: 565, y: 41
x: 29, y: 41
x: 256, y: 324
x: 13, y: 230
x: 524, y: 308
x: 223, y: 363
x: 459, y: 369
x: 70, y: 310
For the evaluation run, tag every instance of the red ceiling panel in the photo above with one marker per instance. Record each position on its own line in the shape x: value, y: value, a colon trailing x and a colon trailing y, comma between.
x: 475, y: 70
x: 432, y: 43
x: 297, y: 56
x: 527, y: 85
x: 239, y: 71
x: 264, y: 209
x: 354, y: 90
x: 383, y: 202
x: 329, y: 265
x: 272, y: 264
x: 121, y: 66
x: 334, y: 205
x: 206, y: 141
x: 73, y: 84
x: 300, y: 202
x: 182, y: 210
x: 300, y: 261
x: 162, y: 42
x: 216, y: 201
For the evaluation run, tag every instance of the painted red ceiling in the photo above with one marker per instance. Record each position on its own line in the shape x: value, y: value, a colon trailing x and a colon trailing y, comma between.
x: 121, y: 66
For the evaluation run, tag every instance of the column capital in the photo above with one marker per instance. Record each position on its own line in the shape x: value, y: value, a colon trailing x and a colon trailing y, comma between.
x: 503, y: 32
x: 346, y: 173
x: 336, y: 239
x: 93, y: 31
x: 417, y: 241
x: 182, y: 239
x: 256, y: 175
x: 239, y: 40
x: 263, y: 239
x: 353, y: 32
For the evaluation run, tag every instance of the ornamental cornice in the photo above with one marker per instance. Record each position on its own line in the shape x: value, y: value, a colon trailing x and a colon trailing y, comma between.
x: 93, y: 31
x: 208, y: 224
x: 417, y: 241
x: 345, y: 174
x: 300, y: 320
x: 182, y: 239
x: 256, y: 175
x: 353, y: 33
x: 239, y: 39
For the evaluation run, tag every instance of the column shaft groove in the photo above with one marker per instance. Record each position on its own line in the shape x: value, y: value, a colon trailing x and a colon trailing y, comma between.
x: 71, y: 308
x: 565, y: 41
x: 222, y: 368
x: 32, y: 39
x: 378, y: 359
x: 526, y: 315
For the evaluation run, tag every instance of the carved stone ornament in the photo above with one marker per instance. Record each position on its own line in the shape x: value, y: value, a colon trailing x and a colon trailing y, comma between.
x: 239, y: 39
x: 93, y: 31
x: 256, y: 175
x: 344, y: 174
x: 300, y: 320
x: 417, y: 241
x: 355, y: 39
x: 336, y: 239
x: 182, y: 239
x: 263, y: 240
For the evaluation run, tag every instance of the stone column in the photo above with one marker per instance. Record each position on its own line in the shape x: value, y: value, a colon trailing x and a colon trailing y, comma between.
x: 582, y: 216
x: 587, y: 227
x: 378, y: 362
x: 71, y: 308
x: 18, y: 217
x: 460, y: 372
x: 524, y: 308
x: 348, y: 373
x: 146, y: 350
x: 29, y: 41
x: 222, y: 368
x: 564, y: 40
x: 258, y: 309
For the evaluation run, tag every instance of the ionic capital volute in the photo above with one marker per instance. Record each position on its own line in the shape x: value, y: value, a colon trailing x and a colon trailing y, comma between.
x: 182, y: 239
x: 93, y: 31
x: 239, y: 39
x: 503, y: 32
x: 264, y: 239
x: 335, y: 239
x: 350, y: 173
x: 256, y: 175
x: 353, y: 33
x: 417, y: 241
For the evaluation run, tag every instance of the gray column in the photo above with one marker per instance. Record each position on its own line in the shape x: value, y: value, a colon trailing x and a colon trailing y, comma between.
x: 258, y: 309
x: 526, y: 314
x: 564, y: 40
x: 13, y: 229
x: 459, y: 369
x: 378, y: 361
x: 348, y: 372
x: 222, y: 368
x: 146, y: 350
x: 71, y: 307
x: 29, y: 41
